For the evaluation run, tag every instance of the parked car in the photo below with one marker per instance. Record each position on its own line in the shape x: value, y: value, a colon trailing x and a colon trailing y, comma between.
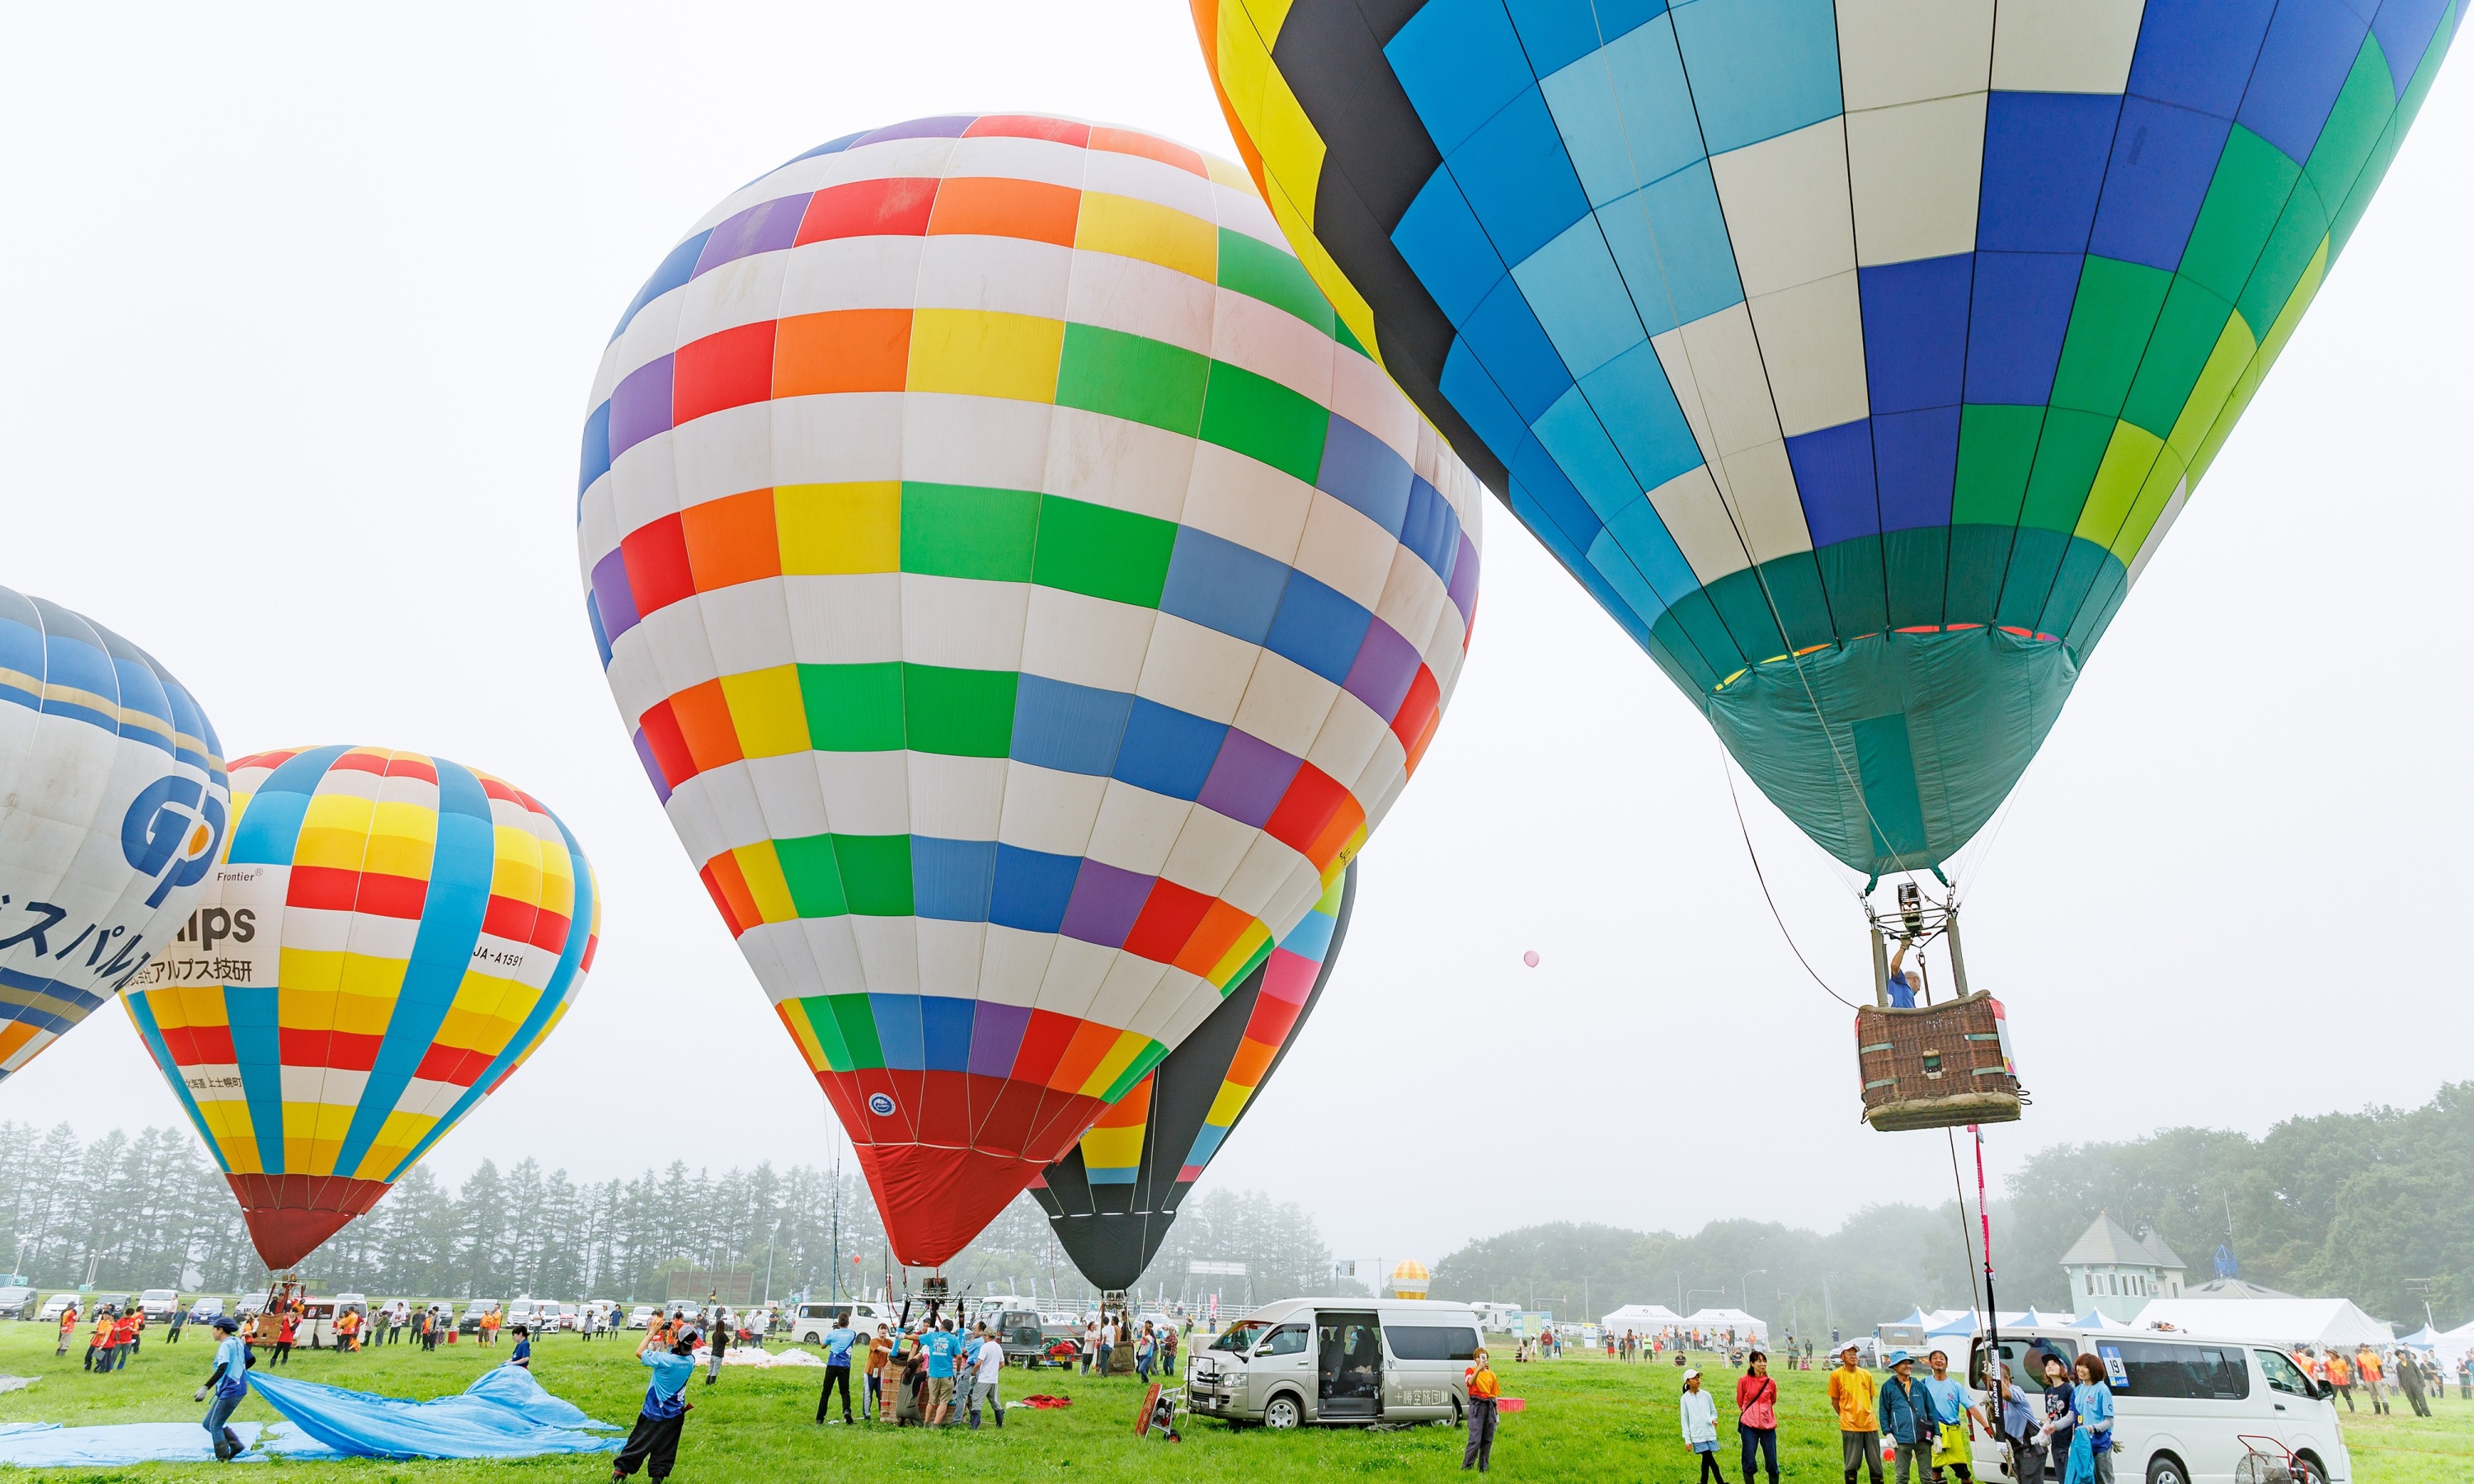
x: 58, y: 1304
x: 812, y: 1321
x: 249, y: 1306
x: 2187, y: 1408
x: 117, y: 1303
x: 1338, y: 1361
x: 471, y: 1322
x: 157, y: 1305
x: 205, y: 1310
x: 641, y: 1317
x: 20, y: 1302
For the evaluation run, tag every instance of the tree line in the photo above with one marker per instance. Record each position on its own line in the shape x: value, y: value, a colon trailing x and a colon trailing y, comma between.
x: 2376, y: 1207
x: 150, y: 1210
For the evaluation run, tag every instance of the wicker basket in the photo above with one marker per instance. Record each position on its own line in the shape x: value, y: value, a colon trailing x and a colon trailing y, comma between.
x: 1937, y: 1066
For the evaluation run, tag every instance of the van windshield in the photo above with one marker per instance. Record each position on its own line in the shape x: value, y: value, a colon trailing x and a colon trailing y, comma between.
x: 1241, y: 1337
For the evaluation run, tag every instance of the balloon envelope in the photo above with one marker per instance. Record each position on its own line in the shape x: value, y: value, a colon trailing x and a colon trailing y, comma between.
x: 386, y: 937
x: 1111, y: 1199
x: 1530, y: 958
x: 113, y: 803
x: 1856, y: 358
x: 1023, y: 597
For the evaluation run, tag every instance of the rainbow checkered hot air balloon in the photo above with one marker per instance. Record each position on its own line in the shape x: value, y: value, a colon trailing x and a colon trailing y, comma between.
x: 1110, y: 1201
x: 1856, y: 357
x: 384, y: 940
x: 1025, y: 598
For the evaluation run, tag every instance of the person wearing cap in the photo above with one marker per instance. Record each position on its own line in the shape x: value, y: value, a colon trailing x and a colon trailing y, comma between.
x: 654, y: 1444
x: 1854, y: 1394
x: 1952, y: 1413
x: 1698, y: 1412
x: 1484, y: 1390
x: 229, y: 1384
x: 1907, y: 1416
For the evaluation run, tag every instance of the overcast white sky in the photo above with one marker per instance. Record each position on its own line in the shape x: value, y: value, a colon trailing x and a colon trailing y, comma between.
x: 304, y: 307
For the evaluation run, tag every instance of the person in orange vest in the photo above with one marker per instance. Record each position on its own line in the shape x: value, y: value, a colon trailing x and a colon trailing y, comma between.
x: 2340, y: 1375
x: 489, y: 1327
x: 348, y: 1330
x: 2366, y: 1365
x: 99, y: 1342
x: 1485, y: 1392
x: 68, y: 1326
x: 123, y: 1339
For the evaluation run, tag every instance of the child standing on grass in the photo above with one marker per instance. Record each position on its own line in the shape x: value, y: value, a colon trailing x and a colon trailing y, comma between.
x: 1699, y: 1414
x: 654, y: 1445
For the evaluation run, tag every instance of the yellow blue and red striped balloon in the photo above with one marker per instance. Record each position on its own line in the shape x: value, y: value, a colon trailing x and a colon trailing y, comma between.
x: 385, y: 938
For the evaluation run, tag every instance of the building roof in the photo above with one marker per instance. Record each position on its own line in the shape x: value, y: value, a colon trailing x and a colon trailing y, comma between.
x: 2154, y: 1241
x: 2233, y: 1288
x: 2105, y: 1240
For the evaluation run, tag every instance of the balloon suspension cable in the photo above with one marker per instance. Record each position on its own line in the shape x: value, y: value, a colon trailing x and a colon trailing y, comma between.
x: 1755, y: 859
x: 1966, y: 1236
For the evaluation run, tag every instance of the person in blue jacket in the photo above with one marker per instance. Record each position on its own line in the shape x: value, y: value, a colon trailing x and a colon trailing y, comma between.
x: 1908, y: 1420
x: 229, y: 1384
x: 654, y: 1445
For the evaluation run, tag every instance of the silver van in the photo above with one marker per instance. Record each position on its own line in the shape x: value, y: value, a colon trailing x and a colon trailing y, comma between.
x: 1337, y: 1362
x: 2187, y: 1409
x: 810, y: 1323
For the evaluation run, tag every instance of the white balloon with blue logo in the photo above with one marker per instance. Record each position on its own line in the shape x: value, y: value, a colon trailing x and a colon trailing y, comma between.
x: 113, y: 806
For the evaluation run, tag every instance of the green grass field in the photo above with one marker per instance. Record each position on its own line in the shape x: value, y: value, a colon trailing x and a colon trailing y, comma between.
x: 1586, y: 1417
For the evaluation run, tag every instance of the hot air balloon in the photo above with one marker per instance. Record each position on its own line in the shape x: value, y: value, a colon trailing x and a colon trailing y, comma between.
x: 1024, y: 597
x: 1855, y: 357
x: 1111, y: 1199
x: 113, y: 800
x: 385, y: 938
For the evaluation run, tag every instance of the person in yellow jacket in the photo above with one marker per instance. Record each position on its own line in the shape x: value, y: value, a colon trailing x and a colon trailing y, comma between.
x: 1485, y: 1390
x: 1854, y: 1395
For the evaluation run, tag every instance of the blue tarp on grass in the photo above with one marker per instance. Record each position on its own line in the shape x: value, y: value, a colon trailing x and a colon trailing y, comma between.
x: 505, y: 1414
x: 51, y: 1446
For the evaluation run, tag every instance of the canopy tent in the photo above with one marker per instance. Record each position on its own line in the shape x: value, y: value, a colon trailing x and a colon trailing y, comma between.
x: 1641, y: 1319
x: 2457, y: 1341
x: 1735, y: 1319
x: 2424, y: 1339
x: 1967, y: 1322
x: 2286, y: 1321
x: 2097, y: 1319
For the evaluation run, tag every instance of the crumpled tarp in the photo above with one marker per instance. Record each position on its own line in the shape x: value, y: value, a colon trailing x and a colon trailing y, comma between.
x: 51, y: 1446
x: 751, y: 1356
x: 505, y: 1414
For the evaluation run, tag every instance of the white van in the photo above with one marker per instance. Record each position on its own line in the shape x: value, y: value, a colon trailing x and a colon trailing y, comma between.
x: 2188, y: 1410
x: 809, y: 1323
x: 1337, y: 1362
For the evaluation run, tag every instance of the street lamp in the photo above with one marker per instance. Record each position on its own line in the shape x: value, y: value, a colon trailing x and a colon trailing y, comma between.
x: 1748, y: 1287
x: 769, y: 1245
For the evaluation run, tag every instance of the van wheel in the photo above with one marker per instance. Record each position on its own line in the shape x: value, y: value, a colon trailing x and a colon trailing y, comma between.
x: 1283, y: 1413
x: 1460, y: 1418
x: 2165, y: 1469
x: 2307, y: 1469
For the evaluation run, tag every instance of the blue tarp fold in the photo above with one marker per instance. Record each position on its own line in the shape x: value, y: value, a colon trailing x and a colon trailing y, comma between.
x: 505, y: 1414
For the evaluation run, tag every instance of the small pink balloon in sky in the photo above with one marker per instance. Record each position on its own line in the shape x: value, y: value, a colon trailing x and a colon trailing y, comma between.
x: 1530, y: 958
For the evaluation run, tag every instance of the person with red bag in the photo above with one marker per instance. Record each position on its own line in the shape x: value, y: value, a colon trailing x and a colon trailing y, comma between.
x: 1756, y: 1418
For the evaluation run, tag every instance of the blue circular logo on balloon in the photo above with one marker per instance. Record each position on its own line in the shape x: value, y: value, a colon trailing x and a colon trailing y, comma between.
x: 881, y: 1104
x: 170, y: 833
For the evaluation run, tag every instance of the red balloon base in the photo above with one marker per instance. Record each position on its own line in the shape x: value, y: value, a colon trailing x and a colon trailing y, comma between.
x: 289, y: 1215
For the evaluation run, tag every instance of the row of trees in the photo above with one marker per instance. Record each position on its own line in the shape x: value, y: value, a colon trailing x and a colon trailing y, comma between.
x: 148, y: 1211
x: 2377, y: 1206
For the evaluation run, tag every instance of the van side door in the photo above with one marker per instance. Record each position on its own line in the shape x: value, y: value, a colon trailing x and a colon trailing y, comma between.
x: 1348, y: 1364
x: 1428, y: 1368
x: 2295, y: 1417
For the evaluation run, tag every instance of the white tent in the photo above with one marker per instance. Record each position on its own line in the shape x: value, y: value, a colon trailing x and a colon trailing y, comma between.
x: 1723, y: 1319
x: 2286, y: 1321
x: 1641, y: 1319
